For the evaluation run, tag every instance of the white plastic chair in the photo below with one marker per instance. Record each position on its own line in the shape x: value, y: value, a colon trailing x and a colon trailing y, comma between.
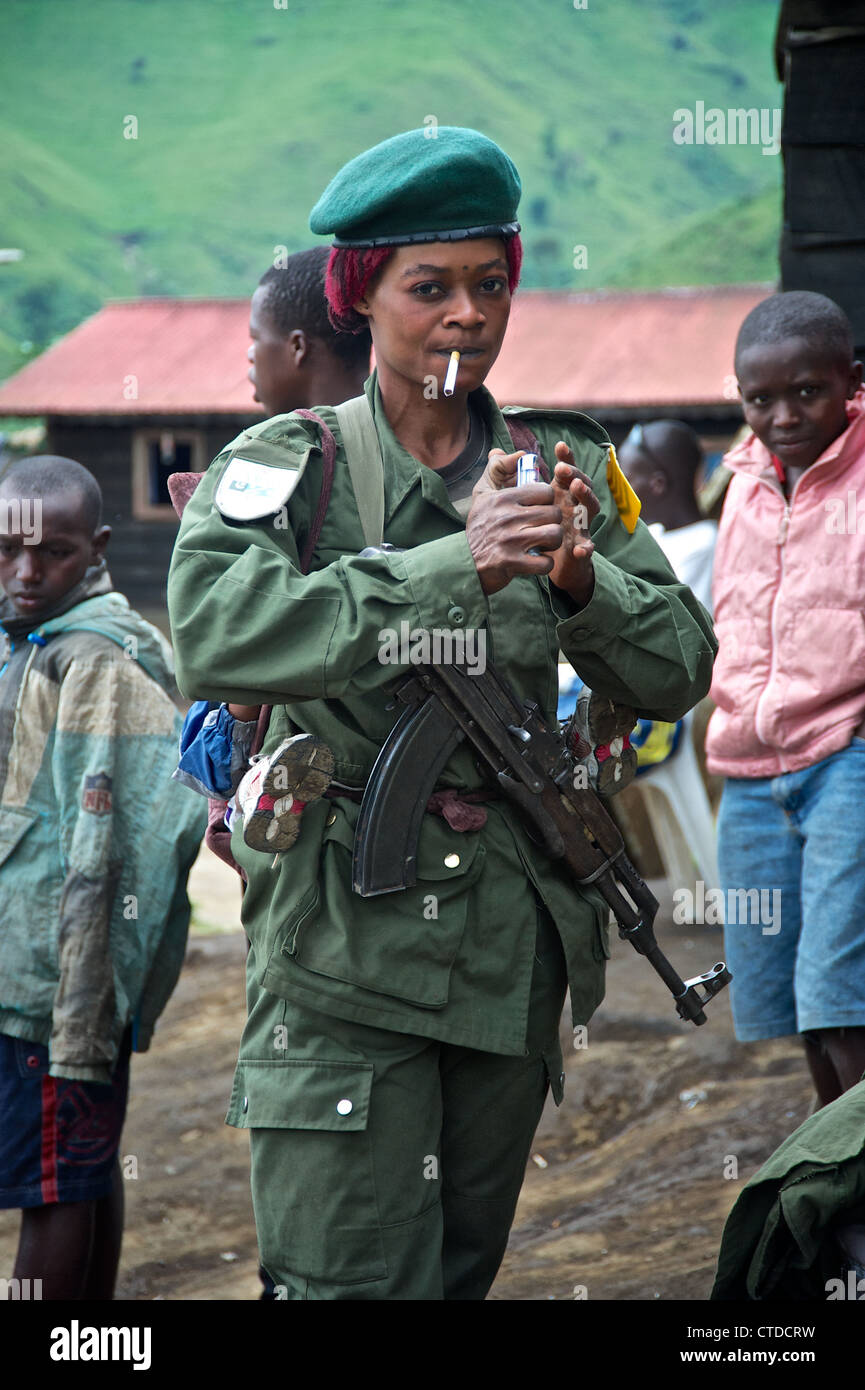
x: 680, y: 815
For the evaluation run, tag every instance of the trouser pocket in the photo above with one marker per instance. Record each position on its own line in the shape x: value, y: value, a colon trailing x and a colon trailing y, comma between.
x: 313, y: 1188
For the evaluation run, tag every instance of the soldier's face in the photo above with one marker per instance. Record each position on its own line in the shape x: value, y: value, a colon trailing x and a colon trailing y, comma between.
x: 40, y: 563
x: 431, y: 298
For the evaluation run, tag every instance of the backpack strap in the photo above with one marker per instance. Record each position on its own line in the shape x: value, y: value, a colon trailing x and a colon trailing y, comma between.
x: 366, y: 469
x: 328, y: 454
x: 365, y: 466
x: 217, y: 836
x: 524, y: 439
x: 181, y: 487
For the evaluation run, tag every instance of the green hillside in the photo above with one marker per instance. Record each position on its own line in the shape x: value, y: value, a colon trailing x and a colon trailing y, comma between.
x: 244, y: 111
x: 738, y: 242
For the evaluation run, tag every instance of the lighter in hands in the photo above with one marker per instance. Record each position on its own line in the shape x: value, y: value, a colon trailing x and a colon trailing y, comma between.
x: 528, y: 470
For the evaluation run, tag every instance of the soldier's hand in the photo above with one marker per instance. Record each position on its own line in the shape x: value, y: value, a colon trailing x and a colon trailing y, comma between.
x: 572, y: 568
x: 501, y: 471
x: 502, y: 527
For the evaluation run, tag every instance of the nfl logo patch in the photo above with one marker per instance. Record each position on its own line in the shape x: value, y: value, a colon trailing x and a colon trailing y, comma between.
x: 97, y: 794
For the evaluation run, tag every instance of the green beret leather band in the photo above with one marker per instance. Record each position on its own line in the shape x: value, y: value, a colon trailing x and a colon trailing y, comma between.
x: 503, y: 229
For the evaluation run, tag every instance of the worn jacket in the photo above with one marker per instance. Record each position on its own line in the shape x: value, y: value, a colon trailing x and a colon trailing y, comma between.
x: 778, y: 1242
x: 789, y: 585
x: 450, y: 958
x: 96, y: 841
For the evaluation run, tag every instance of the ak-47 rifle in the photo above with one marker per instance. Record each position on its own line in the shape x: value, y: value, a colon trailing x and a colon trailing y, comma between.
x: 533, y: 766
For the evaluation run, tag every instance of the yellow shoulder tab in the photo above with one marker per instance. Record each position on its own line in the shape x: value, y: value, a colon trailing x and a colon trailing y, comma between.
x: 626, y: 500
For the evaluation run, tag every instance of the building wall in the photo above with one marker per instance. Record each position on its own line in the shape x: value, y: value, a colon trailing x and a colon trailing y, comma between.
x: 139, y: 551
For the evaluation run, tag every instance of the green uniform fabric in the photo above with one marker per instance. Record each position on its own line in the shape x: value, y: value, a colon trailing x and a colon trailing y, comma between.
x: 387, y: 1031
x: 778, y: 1241
x: 421, y: 186
x: 368, y: 1181
x: 450, y: 958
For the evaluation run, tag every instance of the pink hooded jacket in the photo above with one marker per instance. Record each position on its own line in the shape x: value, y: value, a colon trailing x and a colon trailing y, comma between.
x: 789, y: 593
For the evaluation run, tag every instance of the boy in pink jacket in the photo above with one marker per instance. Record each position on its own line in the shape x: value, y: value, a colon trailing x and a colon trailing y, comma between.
x: 789, y: 684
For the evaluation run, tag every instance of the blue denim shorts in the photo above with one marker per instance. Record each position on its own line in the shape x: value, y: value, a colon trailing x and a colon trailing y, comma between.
x: 58, y: 1138
x: 791, y: 855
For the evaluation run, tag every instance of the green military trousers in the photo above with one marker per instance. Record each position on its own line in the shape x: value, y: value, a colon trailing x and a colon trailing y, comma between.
x: 388, y: 1166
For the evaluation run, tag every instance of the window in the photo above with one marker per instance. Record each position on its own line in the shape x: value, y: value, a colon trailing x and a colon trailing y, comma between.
x: 156, y: 454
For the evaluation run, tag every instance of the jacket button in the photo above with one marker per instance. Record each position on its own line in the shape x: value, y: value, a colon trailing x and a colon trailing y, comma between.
x: 456, y: 615
x: 32, y: 1060
x: 344, y: 1107
x: 452, y: 861
x: 331, y: 820
x: 245, y: 1105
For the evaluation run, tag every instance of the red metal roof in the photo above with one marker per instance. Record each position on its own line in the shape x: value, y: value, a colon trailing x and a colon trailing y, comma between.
x: 622, y: 348
x: 182, y: 356
x: 591, y: 350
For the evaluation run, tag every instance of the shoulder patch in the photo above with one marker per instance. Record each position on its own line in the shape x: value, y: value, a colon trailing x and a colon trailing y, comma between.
x: 249, y: 490
x: 627, y: 502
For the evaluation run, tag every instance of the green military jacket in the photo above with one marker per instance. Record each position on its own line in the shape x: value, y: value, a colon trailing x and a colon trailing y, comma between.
x: 778, y: 1241
x: 452, y: 957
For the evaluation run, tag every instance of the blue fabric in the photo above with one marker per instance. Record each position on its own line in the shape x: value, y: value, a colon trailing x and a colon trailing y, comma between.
x: 569, y: 692
x: 205, y: 748
x: 797, y: 947
x: 655, y: 742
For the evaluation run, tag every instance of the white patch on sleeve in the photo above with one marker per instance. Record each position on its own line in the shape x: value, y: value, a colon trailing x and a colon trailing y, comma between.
x: 249, y: 490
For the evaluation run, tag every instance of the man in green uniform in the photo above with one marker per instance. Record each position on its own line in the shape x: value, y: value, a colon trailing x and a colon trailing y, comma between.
x: 399, y: 1048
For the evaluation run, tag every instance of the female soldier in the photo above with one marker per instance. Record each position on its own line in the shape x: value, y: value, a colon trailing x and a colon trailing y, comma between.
x: 399, y: 1048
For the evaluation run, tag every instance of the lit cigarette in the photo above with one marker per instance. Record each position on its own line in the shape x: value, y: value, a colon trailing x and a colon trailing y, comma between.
x: 451, y: 373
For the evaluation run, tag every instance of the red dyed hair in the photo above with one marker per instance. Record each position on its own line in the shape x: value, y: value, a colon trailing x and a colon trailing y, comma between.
x: 350, y: 271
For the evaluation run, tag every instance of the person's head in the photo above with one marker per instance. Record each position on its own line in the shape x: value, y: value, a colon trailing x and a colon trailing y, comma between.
x: 661, y: 460
x: 795, y: 367
x: 426, y: 252
x: 422, y: 302
x: 296, y: 357
x: 51, y: 531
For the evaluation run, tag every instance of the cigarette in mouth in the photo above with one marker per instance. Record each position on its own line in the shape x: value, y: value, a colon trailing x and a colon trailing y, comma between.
x: 451, y: 374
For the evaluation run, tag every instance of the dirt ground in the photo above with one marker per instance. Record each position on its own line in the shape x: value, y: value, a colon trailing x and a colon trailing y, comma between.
x: 630, y: 1181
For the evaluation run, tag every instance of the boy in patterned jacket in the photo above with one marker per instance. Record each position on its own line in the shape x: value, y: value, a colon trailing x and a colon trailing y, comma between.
x: 96, y: 843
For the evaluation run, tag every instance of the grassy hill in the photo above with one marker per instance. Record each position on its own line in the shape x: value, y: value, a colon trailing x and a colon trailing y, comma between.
x: 244, y: 112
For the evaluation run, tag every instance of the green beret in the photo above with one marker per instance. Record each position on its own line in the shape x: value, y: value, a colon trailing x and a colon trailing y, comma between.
x: 445, y: 185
